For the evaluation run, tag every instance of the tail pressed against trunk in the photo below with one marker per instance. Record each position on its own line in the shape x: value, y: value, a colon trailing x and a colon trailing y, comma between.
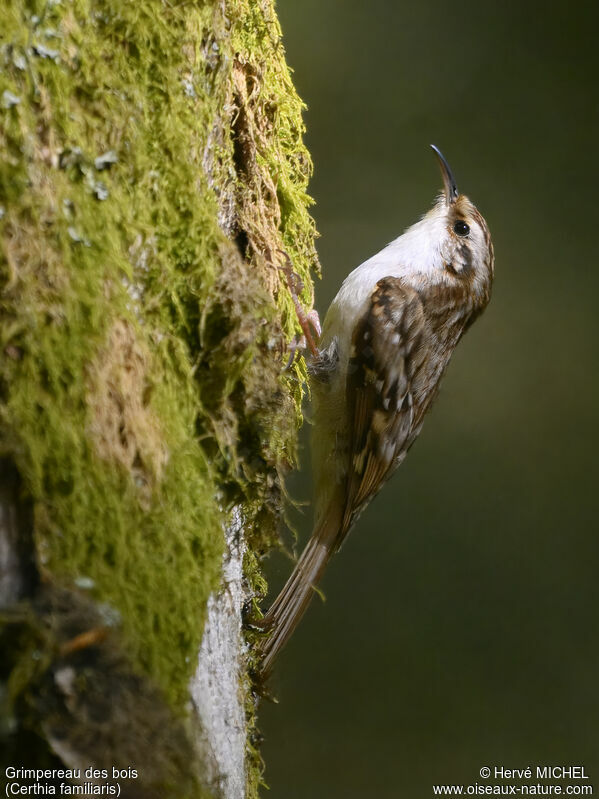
x: 291, y: 604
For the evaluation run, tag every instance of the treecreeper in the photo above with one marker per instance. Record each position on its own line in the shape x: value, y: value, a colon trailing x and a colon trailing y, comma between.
x: 386, y: 342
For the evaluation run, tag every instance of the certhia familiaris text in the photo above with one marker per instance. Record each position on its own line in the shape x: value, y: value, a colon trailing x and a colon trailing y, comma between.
x: 386, y: 341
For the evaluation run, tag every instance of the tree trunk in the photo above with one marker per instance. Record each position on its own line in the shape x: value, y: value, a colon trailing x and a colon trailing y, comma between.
x: 151, y: 170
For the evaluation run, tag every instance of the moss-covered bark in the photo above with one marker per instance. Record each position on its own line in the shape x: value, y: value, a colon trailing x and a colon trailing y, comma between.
x: 151, y: 168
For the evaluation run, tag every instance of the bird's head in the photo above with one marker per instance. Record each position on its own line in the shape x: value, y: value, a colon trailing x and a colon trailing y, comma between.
x: 451, y: 245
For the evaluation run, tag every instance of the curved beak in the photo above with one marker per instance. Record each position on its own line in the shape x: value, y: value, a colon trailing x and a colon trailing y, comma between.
x: 451, y: 190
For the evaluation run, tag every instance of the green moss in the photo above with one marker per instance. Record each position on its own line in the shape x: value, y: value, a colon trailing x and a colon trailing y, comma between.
x: 273, y: 175
x: 87, y: 248
x: 151, y: 170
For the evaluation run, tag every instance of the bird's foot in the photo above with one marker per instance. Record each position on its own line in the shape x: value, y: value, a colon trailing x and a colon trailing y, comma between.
x: 308, y: 320
x: 298, y: 344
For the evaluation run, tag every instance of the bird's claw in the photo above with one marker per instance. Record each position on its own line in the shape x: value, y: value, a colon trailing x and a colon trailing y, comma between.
x: 297, y: 344
x: 314, y: 321
x: 306, y: 320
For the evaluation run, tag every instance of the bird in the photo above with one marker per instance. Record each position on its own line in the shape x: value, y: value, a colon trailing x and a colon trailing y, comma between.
x: 386, y: 341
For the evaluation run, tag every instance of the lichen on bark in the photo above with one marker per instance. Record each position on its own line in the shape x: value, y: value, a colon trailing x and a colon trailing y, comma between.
x: 151, y: 170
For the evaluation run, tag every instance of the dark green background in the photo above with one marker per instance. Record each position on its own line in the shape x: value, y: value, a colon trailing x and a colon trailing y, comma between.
x: 460, y: 627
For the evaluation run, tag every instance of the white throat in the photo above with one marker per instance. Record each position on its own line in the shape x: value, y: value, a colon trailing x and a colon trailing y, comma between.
x: 417, y: 256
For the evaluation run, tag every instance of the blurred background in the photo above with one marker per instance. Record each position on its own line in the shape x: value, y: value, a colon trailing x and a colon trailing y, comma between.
x: 460, y: 627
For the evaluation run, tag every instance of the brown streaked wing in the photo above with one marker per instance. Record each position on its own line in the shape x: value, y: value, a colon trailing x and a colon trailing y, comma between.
x: 386, y: 343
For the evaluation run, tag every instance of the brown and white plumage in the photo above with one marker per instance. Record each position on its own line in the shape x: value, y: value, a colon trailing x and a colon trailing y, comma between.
x: 387, y: 339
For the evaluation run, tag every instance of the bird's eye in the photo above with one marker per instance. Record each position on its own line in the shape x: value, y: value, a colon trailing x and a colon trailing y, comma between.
x: 461, y: 228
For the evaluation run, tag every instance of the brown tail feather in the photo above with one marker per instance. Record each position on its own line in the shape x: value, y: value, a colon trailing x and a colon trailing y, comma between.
x: 291, y: 604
